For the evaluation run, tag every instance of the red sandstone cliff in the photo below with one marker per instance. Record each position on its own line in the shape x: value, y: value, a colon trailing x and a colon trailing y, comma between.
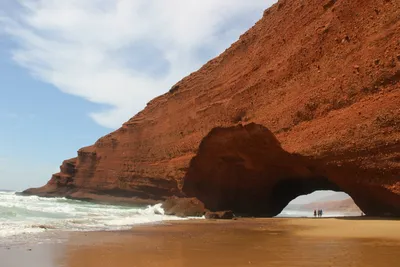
x: 322, y: 76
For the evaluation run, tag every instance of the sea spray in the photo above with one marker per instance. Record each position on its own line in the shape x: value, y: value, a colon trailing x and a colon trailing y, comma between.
x: 23, y: 217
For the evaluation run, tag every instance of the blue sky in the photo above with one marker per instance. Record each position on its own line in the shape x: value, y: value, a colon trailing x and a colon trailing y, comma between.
x: 41, y: 126
x: 72, y: 71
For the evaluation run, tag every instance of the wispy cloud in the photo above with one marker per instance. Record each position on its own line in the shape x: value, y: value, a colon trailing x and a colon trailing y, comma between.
x: 122, y: 53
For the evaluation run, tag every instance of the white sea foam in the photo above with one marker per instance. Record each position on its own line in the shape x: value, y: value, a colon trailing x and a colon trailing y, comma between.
x: 22, y: 217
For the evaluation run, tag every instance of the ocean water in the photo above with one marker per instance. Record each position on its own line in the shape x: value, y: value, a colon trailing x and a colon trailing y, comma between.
x: 30, y: 218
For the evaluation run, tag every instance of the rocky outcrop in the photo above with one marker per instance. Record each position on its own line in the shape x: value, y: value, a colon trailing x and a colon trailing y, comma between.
x: 184, y: 207
x: 220, y: 215
x: 322, y: 77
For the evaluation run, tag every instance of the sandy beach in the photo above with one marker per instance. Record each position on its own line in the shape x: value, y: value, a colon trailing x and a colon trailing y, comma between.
x: 243, y: 242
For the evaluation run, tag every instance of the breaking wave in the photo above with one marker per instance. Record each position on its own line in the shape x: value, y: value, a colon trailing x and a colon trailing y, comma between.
x: 26, y: 216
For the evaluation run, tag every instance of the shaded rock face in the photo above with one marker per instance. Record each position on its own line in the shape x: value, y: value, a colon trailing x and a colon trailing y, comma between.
x: 245, y: 169
x: 322, y: 76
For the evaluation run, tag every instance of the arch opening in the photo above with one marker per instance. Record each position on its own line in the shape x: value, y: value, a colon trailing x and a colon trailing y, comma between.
x: 332, y: 203
x: 288, y: 190
x: 244, y: 169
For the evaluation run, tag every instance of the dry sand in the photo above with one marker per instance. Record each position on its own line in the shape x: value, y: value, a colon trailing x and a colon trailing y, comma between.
x: 243, y: 242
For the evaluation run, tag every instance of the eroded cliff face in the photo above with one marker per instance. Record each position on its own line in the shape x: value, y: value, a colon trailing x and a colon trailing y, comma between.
x: 245, y: 169
x: 322, y: 77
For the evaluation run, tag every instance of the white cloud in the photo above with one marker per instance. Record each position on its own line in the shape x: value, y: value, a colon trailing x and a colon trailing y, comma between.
x: 122, y: 53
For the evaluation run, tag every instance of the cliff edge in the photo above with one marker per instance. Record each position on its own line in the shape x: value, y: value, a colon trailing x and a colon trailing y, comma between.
x: 307, y: 99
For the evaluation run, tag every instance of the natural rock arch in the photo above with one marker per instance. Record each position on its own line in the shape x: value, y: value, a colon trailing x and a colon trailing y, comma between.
x: 245, y: 169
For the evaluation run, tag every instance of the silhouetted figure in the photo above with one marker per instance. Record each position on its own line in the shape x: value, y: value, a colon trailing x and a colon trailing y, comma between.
x: 321, y: 213
x: 315, y: 213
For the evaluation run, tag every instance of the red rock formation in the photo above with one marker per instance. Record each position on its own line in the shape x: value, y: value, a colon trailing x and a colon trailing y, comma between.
x: 245, y: 169
x: 322, y: 76
x: 220, y: 215
x: 184, y: 207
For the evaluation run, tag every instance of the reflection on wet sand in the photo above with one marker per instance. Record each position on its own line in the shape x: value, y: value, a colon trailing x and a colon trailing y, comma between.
x: 268, y: 242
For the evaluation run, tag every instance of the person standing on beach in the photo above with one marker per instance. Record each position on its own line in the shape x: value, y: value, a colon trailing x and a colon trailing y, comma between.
x: 315, y: 213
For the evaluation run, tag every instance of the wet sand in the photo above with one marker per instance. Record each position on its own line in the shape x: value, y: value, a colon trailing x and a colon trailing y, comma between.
x: 243, y: 242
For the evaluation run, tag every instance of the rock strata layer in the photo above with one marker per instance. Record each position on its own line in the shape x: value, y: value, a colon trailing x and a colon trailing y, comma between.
x: 322, y: 77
